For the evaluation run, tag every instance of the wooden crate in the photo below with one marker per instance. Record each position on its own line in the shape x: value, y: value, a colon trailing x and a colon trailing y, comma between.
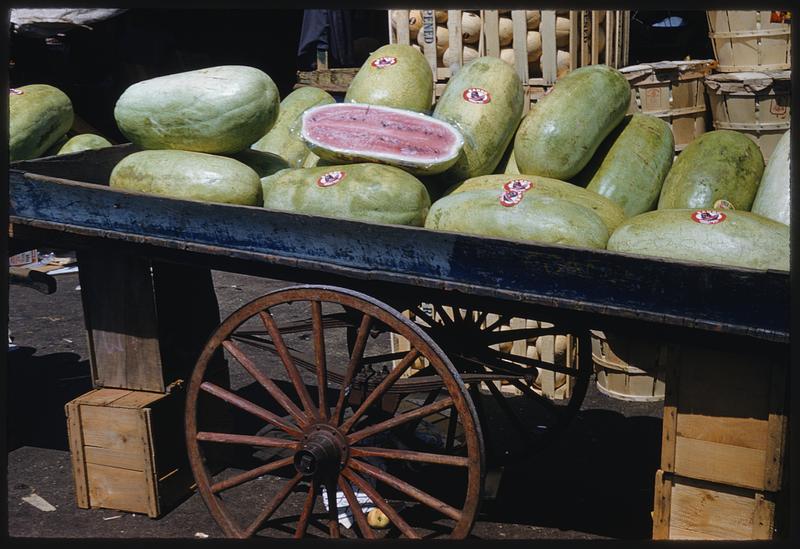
x: 585, y: 38
x: 750, y: 40
x: 128, y: 450
x: 696, y: 510
x: 725, y: 416
x: 674, y: 92
x: 629, y: 368
x: 754, y: 103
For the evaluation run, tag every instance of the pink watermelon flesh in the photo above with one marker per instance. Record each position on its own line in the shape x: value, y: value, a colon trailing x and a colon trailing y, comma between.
x: 367, y: 132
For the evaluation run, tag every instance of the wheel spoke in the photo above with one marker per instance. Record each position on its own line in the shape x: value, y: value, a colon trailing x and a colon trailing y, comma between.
x: 490, y: 338
x: 355, y: 360
x: 273, y: 505
x: 506, y: 407
x: 446, y: 319
x: 378, y: 392
x: 391, y: 480
x: 386, y: 357
x: 544, y: 402
x: 502, y: 319
x: 251, y: 474
x: 355, y: 506
x: 425, y: 317
x: 508, y: 357
x: 393, y: 422
x: 288, y: 363
x: 481, y: 317
x: 308, y: 508
x: 333, y: 509
x: 381, y: 503
x: 269, y: 385
x: 319, y: 352
x: 249, y: 440
x: 247, y: 406
x: 408, y: 455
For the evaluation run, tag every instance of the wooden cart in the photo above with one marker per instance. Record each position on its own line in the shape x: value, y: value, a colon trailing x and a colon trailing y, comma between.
x: 414, y: 430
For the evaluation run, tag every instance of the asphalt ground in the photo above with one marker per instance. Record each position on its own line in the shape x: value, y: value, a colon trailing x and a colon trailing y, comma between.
x: 596, y: 481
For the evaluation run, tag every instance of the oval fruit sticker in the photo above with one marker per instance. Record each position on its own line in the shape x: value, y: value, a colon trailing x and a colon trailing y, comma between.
x: 329, y: 179
x: 511, y: 198
x: 15, y: 91
x: 708, y: 217
x: 383, y: 62
x: 477, y: 95
x: 519, y: 185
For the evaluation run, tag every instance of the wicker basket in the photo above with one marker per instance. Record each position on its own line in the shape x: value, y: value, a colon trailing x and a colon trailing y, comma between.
x: 754, y: 103
x: 629, y: 368
x: 750, y: 40
x: 674, y: 92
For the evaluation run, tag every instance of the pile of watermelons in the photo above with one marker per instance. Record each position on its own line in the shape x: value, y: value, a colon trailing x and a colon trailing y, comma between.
x: 576, y: 170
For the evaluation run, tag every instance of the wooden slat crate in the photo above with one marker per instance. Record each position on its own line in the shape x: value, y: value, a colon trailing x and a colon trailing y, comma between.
x: 557, y: 41
x: 629, y: 368
x: 750, y: 40
x: 128, y: 451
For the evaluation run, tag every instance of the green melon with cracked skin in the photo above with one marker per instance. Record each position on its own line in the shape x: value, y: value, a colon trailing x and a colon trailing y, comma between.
x: 395, y: 75
x: 631, y: 164
x: 84, y: 142
x: 611, y: 214
x: 722, y: 237
x: 773, y: 196
x: 484, y: 102
x: 718, y: 165
x: 284, y: 139
x: 39, y: 115
x: 218, y: 110
x: 365, y: 192
x: 562, y: 131
x: 188, y: 175
x: 536, y: 218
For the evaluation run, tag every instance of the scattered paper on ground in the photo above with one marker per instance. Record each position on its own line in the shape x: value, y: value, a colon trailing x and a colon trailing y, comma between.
x: 39, y: 502
x: 200, y: 535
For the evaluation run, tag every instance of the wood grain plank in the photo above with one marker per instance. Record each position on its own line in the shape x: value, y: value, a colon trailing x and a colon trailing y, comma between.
x: 549, y: 53
x: 491, y: 33
x: 114, y: 488
x: 118, y: 429
x: 662, y: 502
x: 712, y: 461
x: 124, y: 458
x: 77, y: 458
x: 519, y: 30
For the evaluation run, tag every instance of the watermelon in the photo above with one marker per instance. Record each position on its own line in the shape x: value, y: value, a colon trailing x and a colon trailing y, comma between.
x: 611, y: 214
x: 562, y: 131
x: 282, y: 139
x: 631, y: 164
x: 718, y: 165
x: 263, y: 163
x: 349, y: 133
x: 218, y: 110
x: 366, y: 192
x: 395, y: 75
x: 722, y: 237
x: 39, y: 115
x: 84, y: 142
x: 188, y: 175
x: 773, y: 197
x: 484, y: 101
x: 518, y: 216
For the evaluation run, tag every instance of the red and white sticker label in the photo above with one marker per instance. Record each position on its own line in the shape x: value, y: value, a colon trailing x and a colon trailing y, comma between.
x: 383, y: 62
x: 723, y: 204
x: 329, y: 179
x: 511, y: 198
x: 708, y: 217
x: 477, y: 95
x: 518, y: 185
x: 14, y: 91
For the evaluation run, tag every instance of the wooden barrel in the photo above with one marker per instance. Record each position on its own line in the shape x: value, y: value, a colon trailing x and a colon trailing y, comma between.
x: 629, y: 368
x: 674, y: 92
x: 754, y: 103
x: 750, y: 40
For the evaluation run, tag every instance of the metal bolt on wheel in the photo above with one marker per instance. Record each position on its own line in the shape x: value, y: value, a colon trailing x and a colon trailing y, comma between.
x: 290, y: 418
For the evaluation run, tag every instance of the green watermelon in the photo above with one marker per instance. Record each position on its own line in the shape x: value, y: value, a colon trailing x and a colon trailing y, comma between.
x: 631, y: 164
x: 518, y: 216
x: 611, y: 214
x: 84, y: 142
x: 283, y: 139
x: 395, y: 75
x: 39, y: 115
x: 718, y: 165
x: 366, y: 192
x: 263, y: 163
x: 484, y: 102
x: 723, y: 237
x: 188, y: 175
x: 562, y: 131
x: 218, y: 110
x: 773, y: 197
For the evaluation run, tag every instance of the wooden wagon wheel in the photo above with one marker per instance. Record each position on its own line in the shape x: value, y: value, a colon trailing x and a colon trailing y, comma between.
x: 505, y: 382
x: 311, y: 421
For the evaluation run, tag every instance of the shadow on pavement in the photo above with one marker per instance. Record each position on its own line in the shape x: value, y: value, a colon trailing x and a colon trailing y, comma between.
x: 38, y: 389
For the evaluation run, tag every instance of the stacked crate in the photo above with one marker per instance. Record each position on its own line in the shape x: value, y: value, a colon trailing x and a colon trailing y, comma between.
x: 751, y: 91
x: 541, y: 45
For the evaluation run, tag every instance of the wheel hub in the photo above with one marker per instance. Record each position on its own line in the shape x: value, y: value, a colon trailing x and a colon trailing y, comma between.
x: 324, y: 451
